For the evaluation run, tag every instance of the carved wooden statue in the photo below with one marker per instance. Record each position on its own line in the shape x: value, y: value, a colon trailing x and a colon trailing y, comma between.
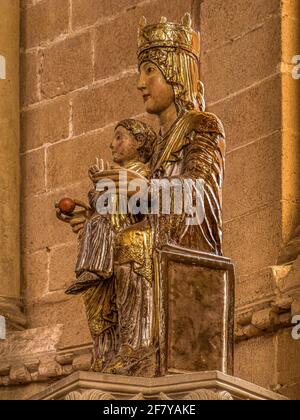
x: 120, y: 263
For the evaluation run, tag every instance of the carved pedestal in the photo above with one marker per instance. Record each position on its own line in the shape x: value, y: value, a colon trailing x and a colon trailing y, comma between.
x: 196, y: 311
x: 193, y: 386
x: 194, y: 298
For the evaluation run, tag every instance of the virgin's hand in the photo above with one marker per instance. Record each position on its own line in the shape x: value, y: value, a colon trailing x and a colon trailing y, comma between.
x: 77, y: 218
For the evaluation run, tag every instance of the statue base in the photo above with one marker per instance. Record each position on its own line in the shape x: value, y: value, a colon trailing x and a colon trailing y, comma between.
x: 211, y: 385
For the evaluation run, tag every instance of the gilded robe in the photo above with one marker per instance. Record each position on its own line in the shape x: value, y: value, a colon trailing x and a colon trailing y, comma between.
x: 194, y: 148
x: 96, y: 255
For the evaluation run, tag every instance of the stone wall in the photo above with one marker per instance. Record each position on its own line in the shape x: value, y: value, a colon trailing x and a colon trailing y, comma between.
x: 78, y: 77
x: 246, y: 67
x: 79, y: 74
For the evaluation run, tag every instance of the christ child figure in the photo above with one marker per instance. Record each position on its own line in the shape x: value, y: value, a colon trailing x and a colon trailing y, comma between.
x: 131, y: 148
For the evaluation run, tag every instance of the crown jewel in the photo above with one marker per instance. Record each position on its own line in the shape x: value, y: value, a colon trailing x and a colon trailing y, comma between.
x: 169, y: 35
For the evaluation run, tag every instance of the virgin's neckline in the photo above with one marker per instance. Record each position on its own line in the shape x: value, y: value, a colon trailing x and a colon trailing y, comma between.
x: 163, y: 137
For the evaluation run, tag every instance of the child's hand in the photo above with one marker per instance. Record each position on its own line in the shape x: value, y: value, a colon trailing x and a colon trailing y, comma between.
x: 93, y: 172
x: 96, y: 170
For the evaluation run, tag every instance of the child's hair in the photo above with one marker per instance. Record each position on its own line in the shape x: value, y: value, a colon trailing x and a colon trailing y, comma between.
x: 144, y: 134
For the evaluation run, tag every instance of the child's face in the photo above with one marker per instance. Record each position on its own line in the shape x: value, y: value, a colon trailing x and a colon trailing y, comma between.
x: 124, y: 147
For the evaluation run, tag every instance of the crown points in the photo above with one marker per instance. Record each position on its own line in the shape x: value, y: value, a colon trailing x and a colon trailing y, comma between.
x: 187, y: 20
x: 143, y: 22
x: 169, y: 35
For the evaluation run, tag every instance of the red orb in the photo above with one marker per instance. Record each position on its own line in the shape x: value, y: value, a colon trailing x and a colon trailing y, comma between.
x: 67, y: 205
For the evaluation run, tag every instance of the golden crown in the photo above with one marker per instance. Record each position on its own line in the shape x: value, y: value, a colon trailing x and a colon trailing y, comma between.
x: 169, y: 35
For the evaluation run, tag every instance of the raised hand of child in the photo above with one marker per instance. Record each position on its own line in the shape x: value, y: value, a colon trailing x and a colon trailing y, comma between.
x: 95, y: 171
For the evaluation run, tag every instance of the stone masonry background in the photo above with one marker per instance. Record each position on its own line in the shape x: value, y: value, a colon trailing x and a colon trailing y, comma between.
x: 78, y: 77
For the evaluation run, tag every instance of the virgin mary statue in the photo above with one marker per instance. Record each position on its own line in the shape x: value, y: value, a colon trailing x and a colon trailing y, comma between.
x: 125, y: 310
x: 191, y: 145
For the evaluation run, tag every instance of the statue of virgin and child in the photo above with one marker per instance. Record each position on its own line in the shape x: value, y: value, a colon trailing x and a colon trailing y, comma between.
x: 117, y: 267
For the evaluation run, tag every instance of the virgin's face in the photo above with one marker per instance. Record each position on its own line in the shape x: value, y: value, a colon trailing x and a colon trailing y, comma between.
x: 158, y: 95
x: 124, y: 147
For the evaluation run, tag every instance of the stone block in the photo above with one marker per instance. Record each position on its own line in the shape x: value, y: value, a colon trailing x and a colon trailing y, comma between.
x: 252, y: 114
x: 24, y: 345
x: 65, y: 359
x: 243, y: 319
x: 70, y: 313
x: 28, y: 78
x: 49, y: 369
x: 33, y: 173
x: 253, y: 241
x: 114, y: 51
x: 82, y: 362
x: 35, y: 275
x: 102, y: 105
x: 115, y: 44
x: 67, y: 66
x: 234, y: 19
x: 62, y: 266
x: 243, y: 62
x: 254, y: 287
x: 253, y: 176
x: 4, y: 369
x: 32, y: 365
x: 19, y: 374
x: 41, y: 228
x: 44, y: 21
x: 4, y: 381
x: 91, y: 11
x: 21, y: 392
x: 288, y: 351
x: 75, y: 156
x: 251, y: 331
x: 264, y: 319
x: 45, y: 123
x: 67, y: 370
x: 255, y: 361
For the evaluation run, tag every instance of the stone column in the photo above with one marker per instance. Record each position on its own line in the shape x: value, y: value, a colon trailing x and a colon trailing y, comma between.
x: 9, y: 166
x: 291, y: 123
